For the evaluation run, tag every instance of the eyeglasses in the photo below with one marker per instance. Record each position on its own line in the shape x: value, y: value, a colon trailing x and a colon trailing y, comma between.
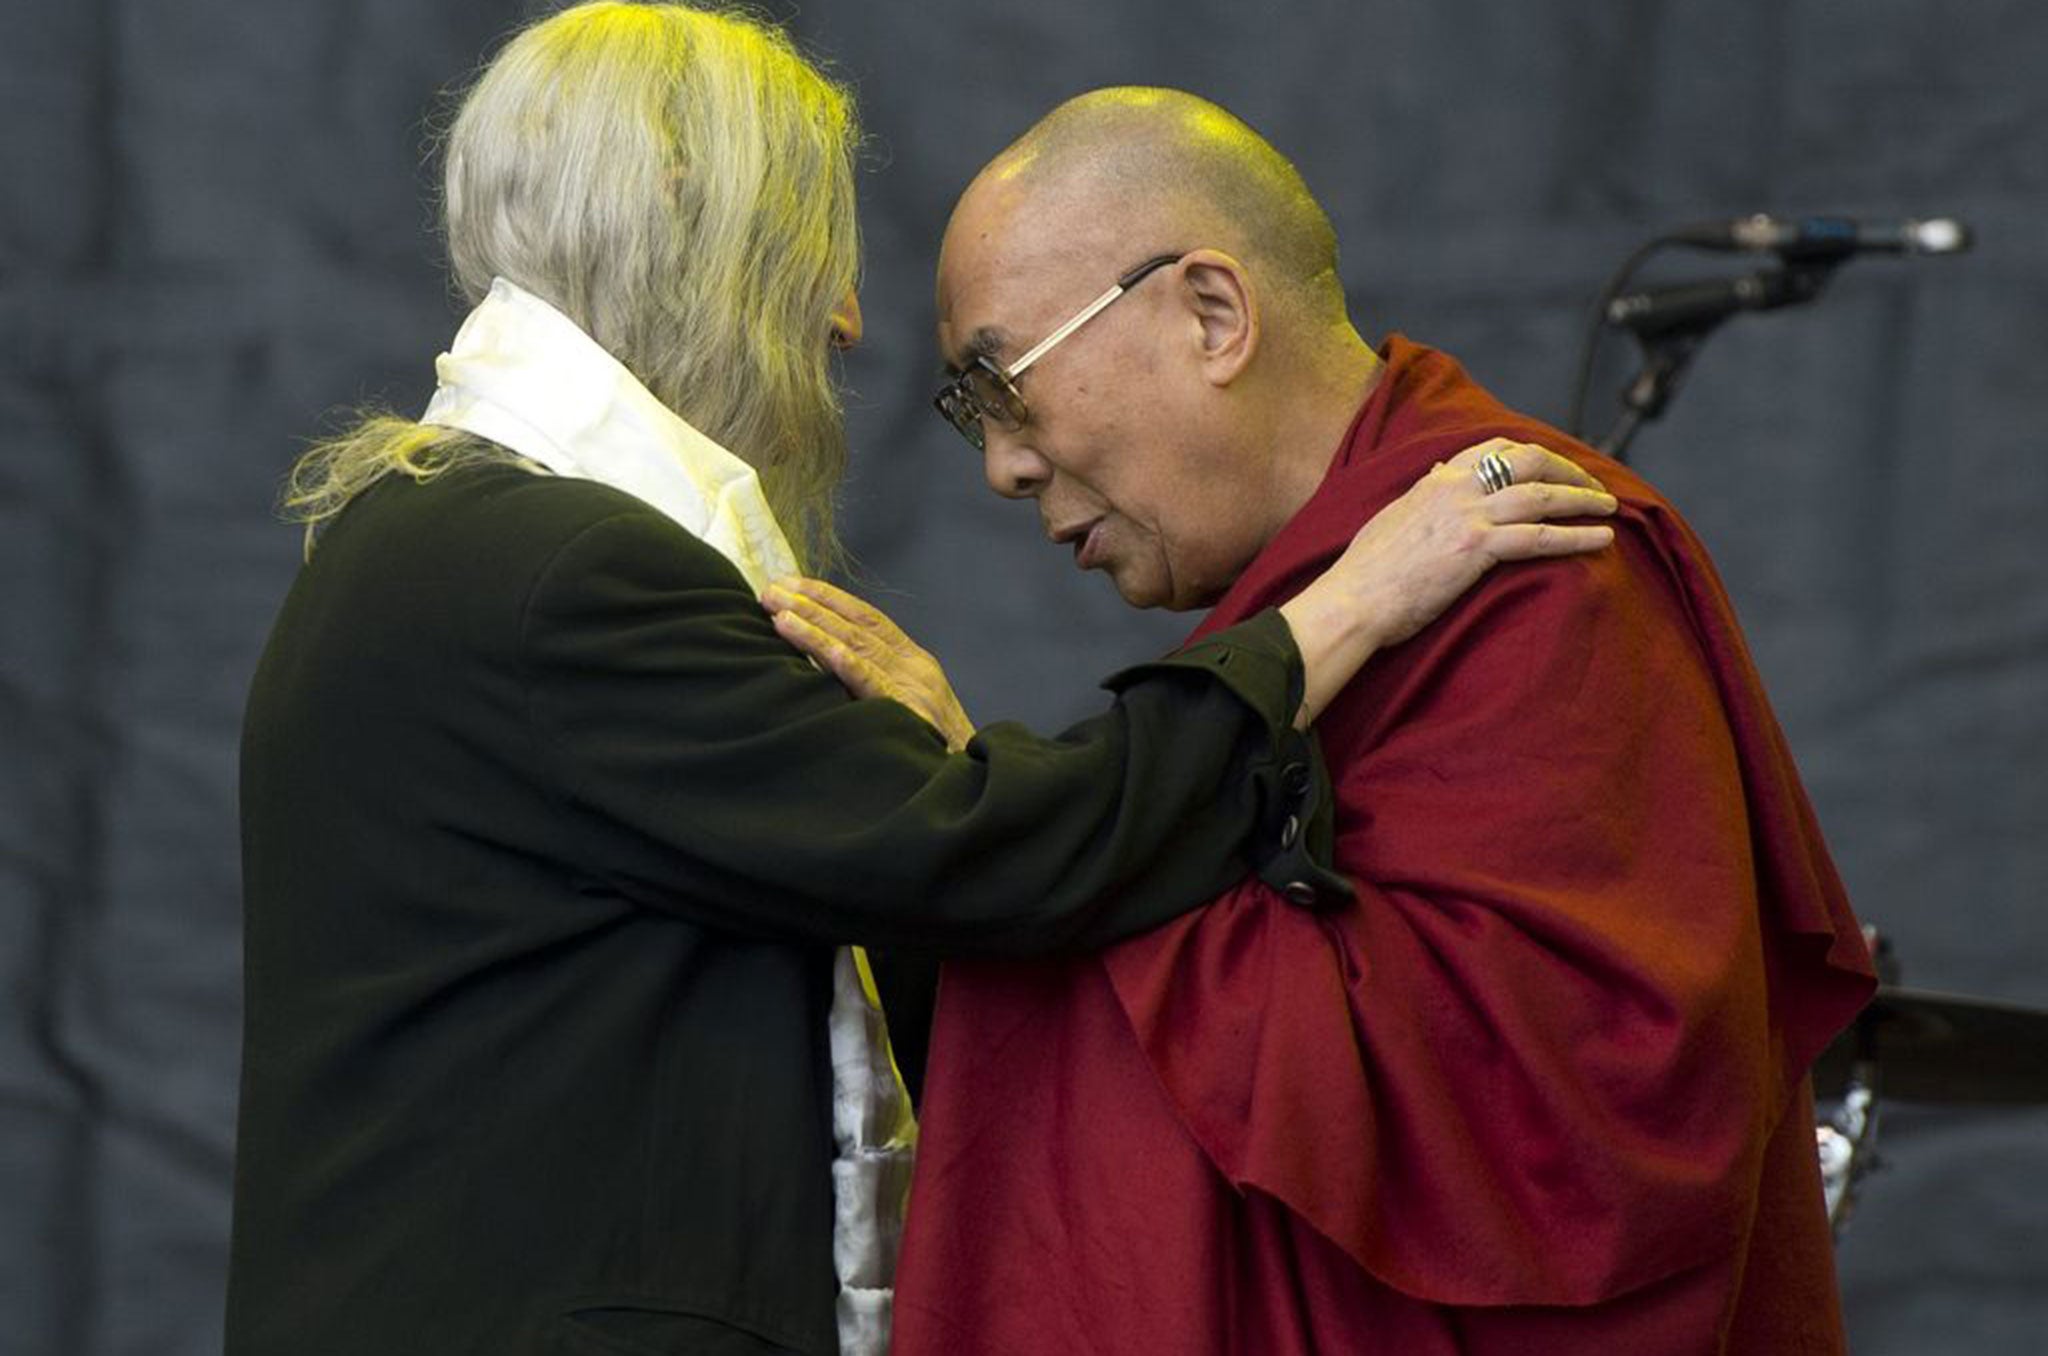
x: 988, y: 390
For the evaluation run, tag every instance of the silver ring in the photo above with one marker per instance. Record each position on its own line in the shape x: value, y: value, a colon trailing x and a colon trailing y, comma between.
x: 1494, y: 472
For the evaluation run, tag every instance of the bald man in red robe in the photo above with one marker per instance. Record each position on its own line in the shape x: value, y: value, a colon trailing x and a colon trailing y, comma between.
x: 1530, y: 1078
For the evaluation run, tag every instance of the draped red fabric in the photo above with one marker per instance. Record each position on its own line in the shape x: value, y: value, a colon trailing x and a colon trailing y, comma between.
x: 1540, y: 1085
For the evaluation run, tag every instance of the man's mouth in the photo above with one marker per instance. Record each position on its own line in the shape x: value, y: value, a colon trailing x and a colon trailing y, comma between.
x: 1086, y: 539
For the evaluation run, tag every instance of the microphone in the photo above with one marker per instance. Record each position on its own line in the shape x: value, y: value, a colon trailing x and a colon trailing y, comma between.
x: 1828, y: 237
x: 1689, y: 306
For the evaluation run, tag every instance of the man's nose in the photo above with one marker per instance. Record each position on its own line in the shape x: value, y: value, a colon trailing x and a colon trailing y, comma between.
x: 1015, y: 469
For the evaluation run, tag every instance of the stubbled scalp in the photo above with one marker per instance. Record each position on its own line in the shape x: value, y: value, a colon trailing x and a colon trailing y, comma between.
x: 1163, y: 168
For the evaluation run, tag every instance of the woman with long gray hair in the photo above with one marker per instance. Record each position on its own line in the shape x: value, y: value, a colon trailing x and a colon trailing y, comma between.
x: 553, y: 846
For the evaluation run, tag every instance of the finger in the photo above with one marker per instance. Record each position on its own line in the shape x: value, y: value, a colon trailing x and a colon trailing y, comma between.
x: 860, y: 677
x: 1529, y: 541
x: 1469, y: 457
x: 1536, y: 502
x: 835, y: 599
x: 1529, y: 462
x: 1539, y: 465
x: 809, y: 637
x: 842, y: 630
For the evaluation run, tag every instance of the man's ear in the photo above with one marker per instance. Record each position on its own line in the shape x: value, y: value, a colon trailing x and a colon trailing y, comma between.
x: 1217, y: 291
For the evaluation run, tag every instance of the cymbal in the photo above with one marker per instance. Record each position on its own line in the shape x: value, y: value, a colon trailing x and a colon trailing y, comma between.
x: 1940, y: 1047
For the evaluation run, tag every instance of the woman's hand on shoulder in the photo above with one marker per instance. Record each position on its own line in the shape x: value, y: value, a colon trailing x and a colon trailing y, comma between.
x: 1419, y: 554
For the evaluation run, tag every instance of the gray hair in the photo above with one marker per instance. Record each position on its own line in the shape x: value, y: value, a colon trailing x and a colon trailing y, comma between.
x: 679, y: 182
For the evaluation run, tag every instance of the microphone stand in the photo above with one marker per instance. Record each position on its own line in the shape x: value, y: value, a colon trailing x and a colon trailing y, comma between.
x: 1669, y: 344
x: 1665, y: 359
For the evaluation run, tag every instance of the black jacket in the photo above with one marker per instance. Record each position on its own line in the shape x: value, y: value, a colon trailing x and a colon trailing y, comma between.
x: 548, y: 840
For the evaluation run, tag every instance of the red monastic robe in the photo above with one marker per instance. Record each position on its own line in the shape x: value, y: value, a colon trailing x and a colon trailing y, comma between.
x: 1538, y: 1089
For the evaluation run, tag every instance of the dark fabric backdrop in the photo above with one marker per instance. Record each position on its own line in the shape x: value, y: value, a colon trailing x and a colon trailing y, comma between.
x: 212, y: 235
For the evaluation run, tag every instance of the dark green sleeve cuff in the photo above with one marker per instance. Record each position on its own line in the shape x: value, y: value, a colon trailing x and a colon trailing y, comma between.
x: 1258, y: 661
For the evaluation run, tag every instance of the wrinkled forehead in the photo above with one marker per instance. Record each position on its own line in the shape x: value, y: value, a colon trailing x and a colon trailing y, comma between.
x: 1013, y: 264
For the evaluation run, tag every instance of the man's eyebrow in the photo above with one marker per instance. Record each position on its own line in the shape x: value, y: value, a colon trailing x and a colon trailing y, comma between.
x: 985, y: 342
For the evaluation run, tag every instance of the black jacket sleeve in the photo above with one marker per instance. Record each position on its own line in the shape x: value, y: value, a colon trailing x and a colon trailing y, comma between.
x: 717, y: 774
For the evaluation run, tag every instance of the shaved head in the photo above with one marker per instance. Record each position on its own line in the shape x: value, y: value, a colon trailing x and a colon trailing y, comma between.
x: 1175, y: 171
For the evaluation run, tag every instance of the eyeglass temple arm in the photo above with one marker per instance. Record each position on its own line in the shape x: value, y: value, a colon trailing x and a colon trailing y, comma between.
x: 1089, y: 312
x: 1045, y: 345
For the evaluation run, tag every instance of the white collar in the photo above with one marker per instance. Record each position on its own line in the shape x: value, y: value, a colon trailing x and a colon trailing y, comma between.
x: 525, y: 376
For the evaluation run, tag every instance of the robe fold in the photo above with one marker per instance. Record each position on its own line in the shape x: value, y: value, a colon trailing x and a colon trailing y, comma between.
x: 1539, y: 1086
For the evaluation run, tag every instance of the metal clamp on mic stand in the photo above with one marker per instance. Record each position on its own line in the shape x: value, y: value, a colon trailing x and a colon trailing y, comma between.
x: 1670, y: 324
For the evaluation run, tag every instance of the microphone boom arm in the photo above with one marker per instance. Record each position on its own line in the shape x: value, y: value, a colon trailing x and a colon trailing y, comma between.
x: 1670, y: 324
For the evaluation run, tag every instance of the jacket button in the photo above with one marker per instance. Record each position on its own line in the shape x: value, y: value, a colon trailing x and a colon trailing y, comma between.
x: 1294, y: 779
x: 1299, y: 892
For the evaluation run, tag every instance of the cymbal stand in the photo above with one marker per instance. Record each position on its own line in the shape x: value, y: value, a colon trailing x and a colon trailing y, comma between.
x: 1848, y: 1146
x: 1848, y: 1139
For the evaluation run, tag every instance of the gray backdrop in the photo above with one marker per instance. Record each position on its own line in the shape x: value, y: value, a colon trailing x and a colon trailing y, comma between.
x: 211, y: 234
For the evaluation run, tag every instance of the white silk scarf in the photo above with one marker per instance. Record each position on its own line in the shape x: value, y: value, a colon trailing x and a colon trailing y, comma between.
x: 525, y: 376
